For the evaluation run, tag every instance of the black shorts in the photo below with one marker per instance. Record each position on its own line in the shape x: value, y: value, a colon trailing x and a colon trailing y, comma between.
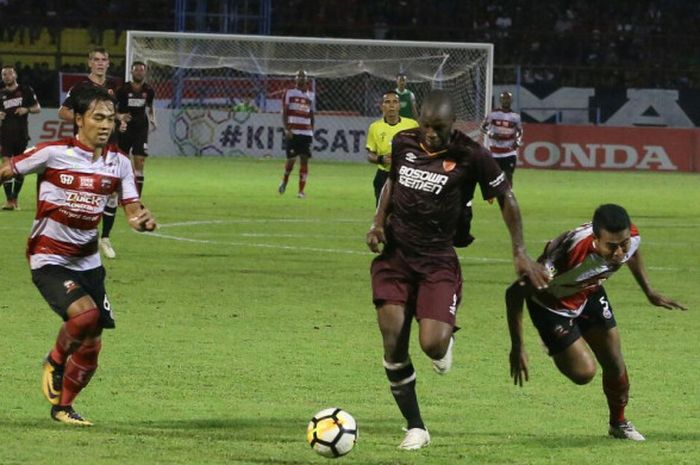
x: 13, y: 146
x: 134, y: 140
x: 379, y: 181
x: 559, y: 332
x: 299, y: 145
x: 507, y: 164
x: 61, y: 286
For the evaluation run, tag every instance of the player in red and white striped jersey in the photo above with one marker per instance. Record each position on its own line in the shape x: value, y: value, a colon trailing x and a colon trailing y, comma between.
x: 76, y: 177
x: 298, y: 122
x: 504, y: 133
x: 573, y: 314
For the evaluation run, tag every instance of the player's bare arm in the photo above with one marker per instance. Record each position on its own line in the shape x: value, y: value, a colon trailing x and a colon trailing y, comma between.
x: 636, y: 266
x: 515, y: 299
x: 524, y: 265
x: 139, y: 217
x: 66, y: 114
x: 376, y: 235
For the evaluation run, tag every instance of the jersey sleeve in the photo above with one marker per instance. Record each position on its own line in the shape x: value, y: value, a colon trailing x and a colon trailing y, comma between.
x: 29, y: 97
x: 68, y: 101
x: 122, y: 101
x: 127, y: 186
x: 372, y: 138
x: 492, y: 181
x: 32, y: 161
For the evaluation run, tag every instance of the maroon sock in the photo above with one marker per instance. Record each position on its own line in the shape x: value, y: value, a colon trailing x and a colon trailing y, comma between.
x: 288, y: 167
x: 79, y: 370
x: 303, y: 173
x: 616, y: 391
x: 72, y: 334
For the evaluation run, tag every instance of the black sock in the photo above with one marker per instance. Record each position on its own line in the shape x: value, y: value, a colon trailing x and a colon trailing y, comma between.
x: 19, y: 180
x: 402, y: 378
x: 108, y: 220
x: 7, y: 185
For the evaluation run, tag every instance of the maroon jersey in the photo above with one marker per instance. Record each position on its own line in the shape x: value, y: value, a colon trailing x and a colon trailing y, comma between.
x: 135, y: 102
x: 431, y: 189
x: 110, y: 84
x: 14, y: 127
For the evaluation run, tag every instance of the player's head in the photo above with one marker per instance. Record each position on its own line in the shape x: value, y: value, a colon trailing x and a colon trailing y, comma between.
x: 301, y: 78
x: 391, y: 106
x: 506, y: 99
x: 94, y: 115
x: 436, y: 119
x: 9, y: 76
x: 611, y: 231
x: 98, y: 61
x: 401, y: 81
x: 138, y: 71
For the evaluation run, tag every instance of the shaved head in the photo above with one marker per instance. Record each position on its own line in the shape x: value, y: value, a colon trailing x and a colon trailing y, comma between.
x: 436, y: 119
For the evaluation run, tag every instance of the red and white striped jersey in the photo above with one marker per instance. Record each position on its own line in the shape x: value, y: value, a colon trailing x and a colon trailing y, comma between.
x: 578, y: 270
x: 71, y: 197
x: 299, y: 106
x: 502, y: 131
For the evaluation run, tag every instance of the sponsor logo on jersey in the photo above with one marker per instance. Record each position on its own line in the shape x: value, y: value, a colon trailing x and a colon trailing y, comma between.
x: 12, y: 103
x: 83, y: 201
x: 411, y: 157
x: 66, y: 179
x: 87, y: 182
x: 137, y: 102
x: 422, y: 180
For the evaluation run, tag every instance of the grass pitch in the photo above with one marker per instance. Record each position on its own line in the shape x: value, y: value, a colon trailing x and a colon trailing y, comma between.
x: 249, y: 311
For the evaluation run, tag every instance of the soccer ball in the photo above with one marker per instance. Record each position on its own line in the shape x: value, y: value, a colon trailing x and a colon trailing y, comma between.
x: 332, y: 432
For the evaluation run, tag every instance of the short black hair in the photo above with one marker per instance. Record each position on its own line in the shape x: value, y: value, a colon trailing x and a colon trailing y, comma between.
x: 85, y: 96
x: 613, y: 218
x: 138, y: 63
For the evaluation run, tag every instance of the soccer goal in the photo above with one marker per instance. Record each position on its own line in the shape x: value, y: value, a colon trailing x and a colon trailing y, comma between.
x: 220, y: 94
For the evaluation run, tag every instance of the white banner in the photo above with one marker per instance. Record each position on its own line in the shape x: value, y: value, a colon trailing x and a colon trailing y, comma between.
x: 220, y: 133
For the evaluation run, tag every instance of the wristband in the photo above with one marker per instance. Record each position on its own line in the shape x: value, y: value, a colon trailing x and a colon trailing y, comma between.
x: 380, y: 159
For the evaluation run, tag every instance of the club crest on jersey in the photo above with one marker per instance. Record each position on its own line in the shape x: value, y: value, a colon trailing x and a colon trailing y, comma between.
x: 70, y: 286
x: 105, y: 183
x: 66, y: 179
x: 448, y: 165
x: 411, y: 157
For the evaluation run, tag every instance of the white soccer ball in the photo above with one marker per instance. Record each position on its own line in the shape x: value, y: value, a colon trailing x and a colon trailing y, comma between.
x: 332, y: 432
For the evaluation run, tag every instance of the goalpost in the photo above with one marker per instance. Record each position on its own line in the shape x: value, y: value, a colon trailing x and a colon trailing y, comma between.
x: 204, y: 82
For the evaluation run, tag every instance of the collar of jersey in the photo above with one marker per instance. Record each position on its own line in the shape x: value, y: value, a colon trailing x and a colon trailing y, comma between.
x: 431, y: 154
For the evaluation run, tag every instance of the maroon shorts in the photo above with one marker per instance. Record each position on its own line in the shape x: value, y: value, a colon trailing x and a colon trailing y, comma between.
x: 430, y: 286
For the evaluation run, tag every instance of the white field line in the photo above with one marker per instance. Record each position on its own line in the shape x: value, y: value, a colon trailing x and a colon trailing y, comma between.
x: 304, y: 248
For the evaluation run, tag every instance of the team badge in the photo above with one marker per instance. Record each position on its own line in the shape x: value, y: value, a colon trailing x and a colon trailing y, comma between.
x: 105, y: 183
x: 448, y: 165
x: 70, y: 286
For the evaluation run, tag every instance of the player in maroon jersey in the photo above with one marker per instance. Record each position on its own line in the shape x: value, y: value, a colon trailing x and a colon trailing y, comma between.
x: 76, y: 177
x: 135, y: 105
x: 298, y: 123
x: 16, y: 102
x: 98, y: 62
x: 573, y: 315
x: 418, y: 274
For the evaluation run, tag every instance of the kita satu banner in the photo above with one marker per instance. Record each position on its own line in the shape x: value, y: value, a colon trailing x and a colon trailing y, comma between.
x: 194, y: 132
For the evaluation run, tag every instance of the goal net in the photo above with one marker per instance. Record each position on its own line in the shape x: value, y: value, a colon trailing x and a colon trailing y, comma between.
x: 219, y: 94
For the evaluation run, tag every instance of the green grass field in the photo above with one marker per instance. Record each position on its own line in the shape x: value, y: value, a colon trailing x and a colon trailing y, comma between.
x: 249, y: 311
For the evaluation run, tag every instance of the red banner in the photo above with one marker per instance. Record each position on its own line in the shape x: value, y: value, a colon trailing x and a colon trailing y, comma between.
x: 610, y: 148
